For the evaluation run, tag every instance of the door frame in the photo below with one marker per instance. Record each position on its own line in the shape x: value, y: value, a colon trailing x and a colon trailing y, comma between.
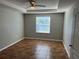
x: 72, y: 49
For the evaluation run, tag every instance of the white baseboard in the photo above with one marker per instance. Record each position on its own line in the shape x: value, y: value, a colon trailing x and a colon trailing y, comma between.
x: 11, y: 44
x: 43, y: 39
x: 66, y: 50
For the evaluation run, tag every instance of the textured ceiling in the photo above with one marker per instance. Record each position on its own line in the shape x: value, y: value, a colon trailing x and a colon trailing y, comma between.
x: 52, y: 5
x: 20, y: 1
x: 66, y: 3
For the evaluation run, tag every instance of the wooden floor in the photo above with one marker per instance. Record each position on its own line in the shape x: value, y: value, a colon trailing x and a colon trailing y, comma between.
x: 35, y: 49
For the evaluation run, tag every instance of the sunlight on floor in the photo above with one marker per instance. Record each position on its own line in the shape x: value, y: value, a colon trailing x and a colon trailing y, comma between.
x: 42, y: 52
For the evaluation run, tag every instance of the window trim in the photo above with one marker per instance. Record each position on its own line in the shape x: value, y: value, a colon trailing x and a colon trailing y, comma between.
x: 49, y: 25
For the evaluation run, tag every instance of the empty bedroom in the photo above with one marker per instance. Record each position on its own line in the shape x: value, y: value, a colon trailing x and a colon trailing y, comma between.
x: 39, y: 29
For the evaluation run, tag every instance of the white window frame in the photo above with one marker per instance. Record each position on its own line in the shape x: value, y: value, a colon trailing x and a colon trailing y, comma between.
x: 43, y: 24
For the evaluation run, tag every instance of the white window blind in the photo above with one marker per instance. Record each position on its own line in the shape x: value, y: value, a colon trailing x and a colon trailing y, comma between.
x: 43, y: 24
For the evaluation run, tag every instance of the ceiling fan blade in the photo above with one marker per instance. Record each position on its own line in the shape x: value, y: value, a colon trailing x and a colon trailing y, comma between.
x: 40, y: 5
x: 32, y: 2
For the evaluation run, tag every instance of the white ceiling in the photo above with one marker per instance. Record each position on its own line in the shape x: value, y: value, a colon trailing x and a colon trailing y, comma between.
x: 51, y: 5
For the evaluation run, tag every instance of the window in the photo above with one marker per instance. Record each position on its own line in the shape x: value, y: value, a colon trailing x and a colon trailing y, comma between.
x: 43, y: 24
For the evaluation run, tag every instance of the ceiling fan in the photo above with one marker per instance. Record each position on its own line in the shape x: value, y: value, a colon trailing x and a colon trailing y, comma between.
x: 33, y: 4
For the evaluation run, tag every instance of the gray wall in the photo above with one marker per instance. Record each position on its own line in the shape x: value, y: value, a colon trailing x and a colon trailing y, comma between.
x: 56, y: 26
x: 68, y: 25
x: 69, y: 21
x: 11, y: 26
x: 75, y: 41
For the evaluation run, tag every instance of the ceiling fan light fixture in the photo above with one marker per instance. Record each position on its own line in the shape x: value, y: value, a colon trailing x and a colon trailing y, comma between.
x: 32, y: 7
